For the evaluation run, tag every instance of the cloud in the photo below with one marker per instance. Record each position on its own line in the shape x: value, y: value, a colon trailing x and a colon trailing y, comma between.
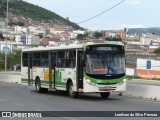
x: 134, y: 2
x: 132, y: 26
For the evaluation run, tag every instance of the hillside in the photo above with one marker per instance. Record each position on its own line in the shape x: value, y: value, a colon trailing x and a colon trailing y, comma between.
x: 30, y: 11
x: 154, y: 30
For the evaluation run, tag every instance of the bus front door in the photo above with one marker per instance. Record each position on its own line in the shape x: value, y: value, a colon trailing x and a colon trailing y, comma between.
x: 80, y: 57
x: 52, y: 63
x: 30, y: 70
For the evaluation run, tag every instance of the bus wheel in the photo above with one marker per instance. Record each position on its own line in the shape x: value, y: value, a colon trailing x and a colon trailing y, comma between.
x: 39, y: 88
x: 105, y: 94
x: 71, y: 91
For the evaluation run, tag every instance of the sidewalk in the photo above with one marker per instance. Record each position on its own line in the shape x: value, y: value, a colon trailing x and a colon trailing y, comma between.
x: 10, y: 76
x: 140, y: 88
x: 144, y: 82
x: 11, y: 72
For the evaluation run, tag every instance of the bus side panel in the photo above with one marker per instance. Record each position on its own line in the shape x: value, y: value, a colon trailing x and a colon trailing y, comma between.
x: 24, y: 75
x: 43, y: 74
x: 62, y: 75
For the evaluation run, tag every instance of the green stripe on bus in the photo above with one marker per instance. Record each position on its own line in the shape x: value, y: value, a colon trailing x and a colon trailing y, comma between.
x: 44, y: 82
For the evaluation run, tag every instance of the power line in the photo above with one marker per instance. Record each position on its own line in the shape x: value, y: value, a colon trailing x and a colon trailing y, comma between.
x: 102, y: 12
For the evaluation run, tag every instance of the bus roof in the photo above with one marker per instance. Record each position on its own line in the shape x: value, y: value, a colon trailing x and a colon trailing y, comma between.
x: 62, y: 47
x: 41, y: 48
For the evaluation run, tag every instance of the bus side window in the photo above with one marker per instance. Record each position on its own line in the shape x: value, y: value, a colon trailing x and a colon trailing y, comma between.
x: 36, y: 63
x: 72, y: 63
x: 60, y: 62
x: 25, y: 63
x: 25, y: 59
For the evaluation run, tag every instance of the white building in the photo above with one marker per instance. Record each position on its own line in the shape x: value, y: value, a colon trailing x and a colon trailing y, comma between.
x: 19, y: 29
x: 75, y: 33
x: 36, y: 30
x: 27, y: 39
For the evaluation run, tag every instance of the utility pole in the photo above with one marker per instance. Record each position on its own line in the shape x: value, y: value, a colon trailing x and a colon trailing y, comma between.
x: 6, y: 38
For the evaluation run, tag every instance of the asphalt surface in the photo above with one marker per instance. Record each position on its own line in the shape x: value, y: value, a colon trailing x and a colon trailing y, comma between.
x: 17, y: 97
x: 144, y: 82
x: 11, y: 72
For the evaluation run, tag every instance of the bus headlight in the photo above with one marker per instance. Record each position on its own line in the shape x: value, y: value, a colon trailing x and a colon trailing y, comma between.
x: 91, y: 83
x: 124, y: 80
x: 120, y: 83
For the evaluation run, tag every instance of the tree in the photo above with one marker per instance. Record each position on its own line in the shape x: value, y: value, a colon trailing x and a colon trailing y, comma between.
x: 20, y: 23
x: 1, y: 61
x: 97, y: 35
x: 113, y: 39
x: 13, y: 58
x: 11, y: 23
x: 1, y: 36
x: 80, y: 36
x: 157, y: 50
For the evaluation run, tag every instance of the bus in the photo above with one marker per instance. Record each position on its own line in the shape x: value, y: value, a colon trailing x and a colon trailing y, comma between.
x: 86, y: 68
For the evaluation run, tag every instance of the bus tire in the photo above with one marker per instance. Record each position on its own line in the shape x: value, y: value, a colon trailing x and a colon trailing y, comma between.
x: 105, y: 94
x: 71, y: 92
x: 39, y: 89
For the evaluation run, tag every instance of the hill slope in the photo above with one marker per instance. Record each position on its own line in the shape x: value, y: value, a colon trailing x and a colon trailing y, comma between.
x: 155, y: 30
x: 22, y: 8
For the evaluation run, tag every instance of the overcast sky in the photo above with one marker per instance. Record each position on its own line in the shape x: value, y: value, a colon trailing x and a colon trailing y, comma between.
x: 131, y: 13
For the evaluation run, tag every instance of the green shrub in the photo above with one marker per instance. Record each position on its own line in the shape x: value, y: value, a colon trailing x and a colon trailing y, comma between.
x: 132, y: 77
x: 155, y: 78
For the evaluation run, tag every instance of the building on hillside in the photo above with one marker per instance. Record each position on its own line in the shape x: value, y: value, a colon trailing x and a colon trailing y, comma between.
x: 65, y: 36
x: 135, y: 38
x: 75, y: 33
x: 152, y: 48
x: 2, y: 23
x: 27, y: 39
x: 44, y: 41
x: 93, y: 40
x: 20, y: 29
x: 110, y: 34
x: 35, y: 30
x: 121, y: 34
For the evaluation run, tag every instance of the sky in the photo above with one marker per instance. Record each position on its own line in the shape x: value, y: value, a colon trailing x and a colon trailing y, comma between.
x: 129, y: 14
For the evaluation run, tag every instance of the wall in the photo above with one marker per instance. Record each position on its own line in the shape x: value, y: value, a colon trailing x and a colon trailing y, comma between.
x: 142, y: 70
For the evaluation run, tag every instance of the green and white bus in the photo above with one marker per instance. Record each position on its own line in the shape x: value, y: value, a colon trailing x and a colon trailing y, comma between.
x: 87, y: 68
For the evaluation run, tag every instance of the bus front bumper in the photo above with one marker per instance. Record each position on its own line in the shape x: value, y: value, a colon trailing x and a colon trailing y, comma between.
x: 90, y: 87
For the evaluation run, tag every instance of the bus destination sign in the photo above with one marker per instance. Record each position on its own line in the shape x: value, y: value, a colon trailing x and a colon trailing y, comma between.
x: 105, y: 48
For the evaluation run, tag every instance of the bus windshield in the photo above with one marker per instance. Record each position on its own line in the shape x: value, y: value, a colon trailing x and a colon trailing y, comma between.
x: 105, y: 63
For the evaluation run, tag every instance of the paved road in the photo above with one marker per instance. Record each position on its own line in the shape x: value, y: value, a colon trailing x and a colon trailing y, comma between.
x: 17, y: 97
x: 144, y: 82
x: 11, y: 72
x: 16, y: 76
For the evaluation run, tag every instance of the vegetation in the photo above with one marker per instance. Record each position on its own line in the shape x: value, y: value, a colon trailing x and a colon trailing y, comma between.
x: 153, y: 30
x: 1, y: 36
x: 132, y: 77
x: 157, y: 50
x: 1, y: 61
x: 129, y: 77
x: 97, y: 35
x: 13, y: 58
x: 19, y: 23
x: 81, y: 36
x: 34, y: 12
x: 155, y: 78
x: 113, y: 39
